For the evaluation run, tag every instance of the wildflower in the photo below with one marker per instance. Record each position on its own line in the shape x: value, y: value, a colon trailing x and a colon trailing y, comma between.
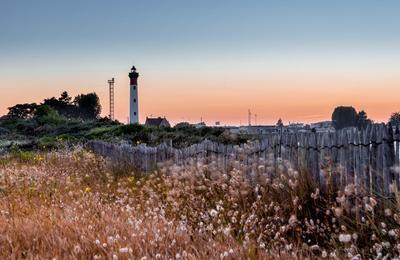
x: 124, y: 250
x: 97, y: 242
x: 110, y: 240
x: 388, y: 212
x: 292, y: 220
x: 77, y: 249
x: 369, y: 208
x: 344, y: 238
x: 316, y: 194
x: 373, y: 202
x: 88, y: 189
x: 348, y: 190
x: 386, y: 244
x: 324, y: 254
x: 392, y: 233
x: 338, y: 212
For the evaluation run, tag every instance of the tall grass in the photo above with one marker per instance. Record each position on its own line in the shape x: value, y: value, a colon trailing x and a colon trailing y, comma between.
x: 75, y: 205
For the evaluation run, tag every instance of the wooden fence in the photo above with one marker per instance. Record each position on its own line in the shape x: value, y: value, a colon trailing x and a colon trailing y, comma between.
x: 367, y: 158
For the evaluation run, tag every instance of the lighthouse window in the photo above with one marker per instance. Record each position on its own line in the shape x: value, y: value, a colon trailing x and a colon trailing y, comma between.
x: 134, y: 113
x: 134, y: 100
x: 134, y: 87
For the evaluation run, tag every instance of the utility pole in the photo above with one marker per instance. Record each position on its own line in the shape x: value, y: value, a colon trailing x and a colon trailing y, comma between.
x: 111, y: 88
x: 255, y: 119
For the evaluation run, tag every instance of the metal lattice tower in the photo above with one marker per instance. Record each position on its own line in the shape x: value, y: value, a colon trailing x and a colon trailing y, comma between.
x: 111, y: 87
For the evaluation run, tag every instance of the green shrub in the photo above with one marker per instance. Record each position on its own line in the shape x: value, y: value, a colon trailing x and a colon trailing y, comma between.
x: 47, y: 115
x: 48, y: 142
x: 100, y: 132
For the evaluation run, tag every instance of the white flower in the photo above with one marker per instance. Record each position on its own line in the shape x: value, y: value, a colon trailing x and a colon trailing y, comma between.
x: 369, y: 208
x: 388, y: 212
x: 110, y: 240
x: 292, y: 220
x: 213, y: 213
x: 123, y: 250
x: 373, y: 202
x: 344, y: 238
x: 77, y: 249
x: 338, y: 212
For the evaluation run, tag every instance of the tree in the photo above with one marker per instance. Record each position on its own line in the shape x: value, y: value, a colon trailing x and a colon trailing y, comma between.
x: 63, y: 105
x: 47, y: 115
x: 88, y: 105
x: 22, y: 111
x: 362, y: 120
x: 344, y: 116
x: 395, y: 119
x: 279, y: 123
x: 65, y: 98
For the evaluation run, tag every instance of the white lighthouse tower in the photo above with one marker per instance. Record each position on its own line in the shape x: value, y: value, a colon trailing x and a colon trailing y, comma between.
x: 134, y: 102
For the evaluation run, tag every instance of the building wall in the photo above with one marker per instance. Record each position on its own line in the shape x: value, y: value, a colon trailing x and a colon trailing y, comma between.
x: 134, y: 106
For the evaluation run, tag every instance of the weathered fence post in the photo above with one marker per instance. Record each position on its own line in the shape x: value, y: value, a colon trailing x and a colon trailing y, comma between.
x: 389, y: 159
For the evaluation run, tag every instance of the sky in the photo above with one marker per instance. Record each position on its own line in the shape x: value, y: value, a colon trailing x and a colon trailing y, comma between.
x: 209, y: 59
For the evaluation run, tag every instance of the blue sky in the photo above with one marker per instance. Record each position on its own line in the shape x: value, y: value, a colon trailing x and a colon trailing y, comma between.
x: 50, y: 41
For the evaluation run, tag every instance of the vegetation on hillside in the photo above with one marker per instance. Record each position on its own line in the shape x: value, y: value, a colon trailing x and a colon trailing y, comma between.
x: 57, y: 122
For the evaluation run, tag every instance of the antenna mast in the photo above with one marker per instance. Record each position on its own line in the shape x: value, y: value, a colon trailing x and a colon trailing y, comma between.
x: 249, y: 118
x: 111, y: 87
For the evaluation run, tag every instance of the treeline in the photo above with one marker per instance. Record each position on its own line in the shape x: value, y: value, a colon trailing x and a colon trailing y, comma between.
x: 347, y: 116
x: 56, y: 110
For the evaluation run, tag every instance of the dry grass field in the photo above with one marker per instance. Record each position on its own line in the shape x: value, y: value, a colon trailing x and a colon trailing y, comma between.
x: 74, y: 205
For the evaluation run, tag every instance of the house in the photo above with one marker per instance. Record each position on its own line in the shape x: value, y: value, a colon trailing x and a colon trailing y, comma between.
x: 324, y: 126
x: 157, y: 122
x: 200, y: 125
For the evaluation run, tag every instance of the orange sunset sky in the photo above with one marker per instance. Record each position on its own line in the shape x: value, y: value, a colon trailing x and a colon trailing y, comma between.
x: 214, y: 60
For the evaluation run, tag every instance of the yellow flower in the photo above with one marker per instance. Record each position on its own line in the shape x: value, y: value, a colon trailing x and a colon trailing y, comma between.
x: 88, y: 189
x: 131, y: 179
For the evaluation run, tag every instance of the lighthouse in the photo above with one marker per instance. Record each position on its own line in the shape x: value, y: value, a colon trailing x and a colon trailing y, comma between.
x: 134, y: 102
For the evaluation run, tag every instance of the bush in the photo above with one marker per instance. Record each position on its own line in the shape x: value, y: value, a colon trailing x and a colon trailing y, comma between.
x: 46, y: 115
